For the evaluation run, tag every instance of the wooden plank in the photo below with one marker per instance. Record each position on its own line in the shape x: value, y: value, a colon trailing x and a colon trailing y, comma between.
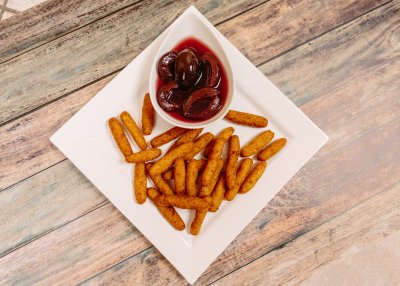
x: 296, y: 261
x: 315, y: 60
x: 110, y: 43
x: 289, y: 214
x: 286, y: 24
x: 34, y: 149
x: 50, y: 20
x: 72, y: 252
x: 43, y: 203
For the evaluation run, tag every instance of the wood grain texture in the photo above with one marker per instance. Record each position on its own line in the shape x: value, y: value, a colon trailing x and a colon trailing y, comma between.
x: 25, y: 148
x: 109, y: 44
x: 316, y: 194
x: 350, y: 232
x: 312, y: 66
x: 49, y: 20
x: 43, y: 203
x: 74, y: 251
x: 281, y: 25
x: 14, y: 132
x: 91, y: 52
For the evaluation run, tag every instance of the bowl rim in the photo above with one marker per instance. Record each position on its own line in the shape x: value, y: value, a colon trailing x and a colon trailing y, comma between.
x: 153, y: 80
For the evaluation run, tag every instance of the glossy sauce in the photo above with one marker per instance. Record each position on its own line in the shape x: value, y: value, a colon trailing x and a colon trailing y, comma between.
x: 222, y: 86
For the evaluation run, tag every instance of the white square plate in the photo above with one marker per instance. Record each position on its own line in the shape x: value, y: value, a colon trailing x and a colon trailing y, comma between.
x: 86, y: 141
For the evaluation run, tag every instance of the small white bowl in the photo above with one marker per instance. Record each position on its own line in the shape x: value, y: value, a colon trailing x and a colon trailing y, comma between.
x: 191, y: 24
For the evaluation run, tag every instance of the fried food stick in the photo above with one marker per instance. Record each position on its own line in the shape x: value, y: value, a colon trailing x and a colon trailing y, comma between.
x: 219, y: 142
x: 134, y: 130
x: 192, y: 172
x: 247, y: 119
x: 147, y: 115
x: 257, y: 143
x: 140, y: 183
x: 207, y: 190
x: 179, y: 176
x: 166, y: 162
x: 143, y: 156
x: 119, y: 136
x: 215, y: 154
x: 169, y: 174
x: 252, y: 179
x: 232, y: 161
x: 241, y: 175
x: 218, y: 193
x: 207, y: 150
x: 183, y: 202
x: 197, y: 222
x: 189, y: 136
x: 160, y: 183
x: 169, y: 213
x: 271, y: 149
x: 167, y: 136
x: 199, y: 219
x: 199, y: 145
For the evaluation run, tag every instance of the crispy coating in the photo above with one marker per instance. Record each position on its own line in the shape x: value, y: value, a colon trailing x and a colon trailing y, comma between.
x: 166, y: 162
x: 198, y: 221
x: 140, y: 183
x: 218, y: 193
x: 257, y: 143
x: 247, y: 119
x: 207, y: 150
x: 241, y: 175
x: 252, y: 179
x: 148, y: 115
x: 167, y: 136
x: 217, y: 149
x: 271, y: 149
x: 208, y: 172
x: 232, y: 160
x: 160, y: 183
x: 192, y: 172
x: 169, y: 174
x: 169, y: 213
x: 220, y: 141
x: 134, y: 130
x: 189, y: 136
x: 143, y: 156
x: 183, y: 202
x: 215, y: 154
x: 226, y: 133
x: 207, y: 190
x: 199, y: 145
x: 119, y: 136
x: 179, y: 176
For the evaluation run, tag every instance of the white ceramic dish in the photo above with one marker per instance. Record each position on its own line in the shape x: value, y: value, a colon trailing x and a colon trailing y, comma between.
x: 86, y: 141
x: 189, y: 25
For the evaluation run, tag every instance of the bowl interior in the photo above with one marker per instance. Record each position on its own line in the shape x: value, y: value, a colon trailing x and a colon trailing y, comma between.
x: 191, y: 24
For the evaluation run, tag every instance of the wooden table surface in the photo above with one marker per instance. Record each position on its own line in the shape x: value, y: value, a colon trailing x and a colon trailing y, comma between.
x: 339, y: 61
